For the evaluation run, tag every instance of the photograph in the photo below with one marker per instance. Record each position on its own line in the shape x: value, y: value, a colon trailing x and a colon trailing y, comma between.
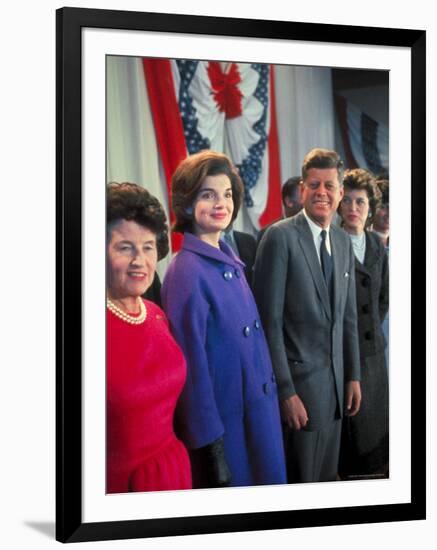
x: 229, y: 341
x: 233, y: 216
x: 214, y: 120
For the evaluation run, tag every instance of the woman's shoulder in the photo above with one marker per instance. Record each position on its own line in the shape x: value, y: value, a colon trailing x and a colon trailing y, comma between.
x: 376, y: 242
x: 153, y: 309
x: 184, y: 256
x: 187, y: 278
x: 186, y: 265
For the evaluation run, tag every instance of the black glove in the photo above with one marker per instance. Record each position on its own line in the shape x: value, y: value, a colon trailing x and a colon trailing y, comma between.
x: 217, y: 469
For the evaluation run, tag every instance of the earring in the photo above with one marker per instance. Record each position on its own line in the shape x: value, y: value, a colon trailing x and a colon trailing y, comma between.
x: 189, y: 210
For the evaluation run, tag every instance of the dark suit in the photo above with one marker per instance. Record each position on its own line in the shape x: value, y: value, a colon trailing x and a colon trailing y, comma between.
x: 246, y: 247
x: 313, y: 344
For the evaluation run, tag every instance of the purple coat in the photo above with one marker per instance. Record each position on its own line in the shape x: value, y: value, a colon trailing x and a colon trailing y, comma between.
x: 230, y: 389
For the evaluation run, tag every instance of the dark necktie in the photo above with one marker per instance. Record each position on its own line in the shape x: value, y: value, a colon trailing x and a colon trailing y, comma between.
x: 326, y: 260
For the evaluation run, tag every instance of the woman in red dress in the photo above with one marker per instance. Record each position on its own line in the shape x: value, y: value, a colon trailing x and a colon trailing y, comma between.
x: 146, y: 369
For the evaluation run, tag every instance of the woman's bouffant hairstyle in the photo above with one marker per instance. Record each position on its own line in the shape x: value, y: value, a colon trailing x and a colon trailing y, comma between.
x: 128, y: 201
x: 188, y: 178
x: 323, y: 159
x: 359, y: 179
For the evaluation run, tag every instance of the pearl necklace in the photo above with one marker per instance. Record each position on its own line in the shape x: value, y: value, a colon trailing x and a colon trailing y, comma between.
x: 137, y: 320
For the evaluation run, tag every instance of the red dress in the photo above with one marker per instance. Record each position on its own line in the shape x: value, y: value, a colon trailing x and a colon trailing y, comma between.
x: 146, y: 371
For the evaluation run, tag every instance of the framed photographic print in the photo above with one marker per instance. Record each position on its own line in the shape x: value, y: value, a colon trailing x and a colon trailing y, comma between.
x: 136, y: 94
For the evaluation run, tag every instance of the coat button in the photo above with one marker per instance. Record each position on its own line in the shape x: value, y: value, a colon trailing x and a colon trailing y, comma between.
x: 246, y: 331
x: 365, y: 281
x: 365, y: 308
x: 227, y: 275
x: 266, y: 388
x: 237, y: 273
x: 256, y: 324
x: 368, y: 335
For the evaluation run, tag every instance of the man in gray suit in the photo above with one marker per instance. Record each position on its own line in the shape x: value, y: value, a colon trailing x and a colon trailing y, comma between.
x: 305, y: 290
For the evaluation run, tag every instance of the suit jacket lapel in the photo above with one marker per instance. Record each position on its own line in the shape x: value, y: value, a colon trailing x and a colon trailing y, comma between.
x: 309, y: 251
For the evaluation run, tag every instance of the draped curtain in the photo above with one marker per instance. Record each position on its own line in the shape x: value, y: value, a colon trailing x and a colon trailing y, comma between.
x: 132, y: 153
x: 305, y: 107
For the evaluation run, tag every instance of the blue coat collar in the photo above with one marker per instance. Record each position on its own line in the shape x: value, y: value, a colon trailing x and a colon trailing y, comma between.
x: 224, y: 255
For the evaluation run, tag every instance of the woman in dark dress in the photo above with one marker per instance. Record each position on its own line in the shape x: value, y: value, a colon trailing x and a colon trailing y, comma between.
x: 364, y: 448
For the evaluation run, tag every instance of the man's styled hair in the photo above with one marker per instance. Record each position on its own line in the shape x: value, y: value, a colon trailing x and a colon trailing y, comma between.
x: 322, y: 159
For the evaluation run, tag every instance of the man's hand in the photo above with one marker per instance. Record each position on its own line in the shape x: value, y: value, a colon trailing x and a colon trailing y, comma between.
x: 293, y: 412
x: 353, y: 397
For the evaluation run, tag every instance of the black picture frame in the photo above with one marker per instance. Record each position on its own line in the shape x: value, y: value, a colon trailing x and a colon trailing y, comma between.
x: 69, y: 524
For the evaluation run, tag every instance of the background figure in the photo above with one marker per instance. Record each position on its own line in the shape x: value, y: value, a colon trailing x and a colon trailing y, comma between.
x: 305, y: 289
x: 228, y: 413
x: 153, y: 293
x: 244, y: 246
x: 364, y: 447
x: 381, y: 221
x: 381, y: 226
x: 291, y: 201
x: 145, y: 367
